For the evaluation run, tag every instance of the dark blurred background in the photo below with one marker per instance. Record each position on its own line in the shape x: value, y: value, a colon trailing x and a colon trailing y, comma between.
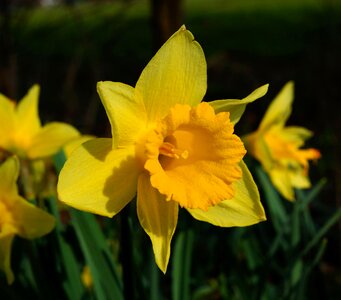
x: 67, y: 46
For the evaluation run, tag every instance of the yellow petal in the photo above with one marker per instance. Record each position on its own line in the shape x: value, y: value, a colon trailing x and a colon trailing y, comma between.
x: 98, y: 179
x: 6, y: 237
x: 158, y: 218
x: 31, y: 221
x: 296, y: 135
x: 280, y: 178
x: 75, y: 143
x: 9, y: 172
x: 7, y: 120
x: 50, y: 139
x: 176, y: 74
x: 243, y: 209
x: 237, y: 107
x: 280, y: 108
x: 126, y: 113
x: 28, y: 122
x: 300, y: 179
x: 257, y: 147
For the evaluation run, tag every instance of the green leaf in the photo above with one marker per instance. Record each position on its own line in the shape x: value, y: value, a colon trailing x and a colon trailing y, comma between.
x: 154, y: 279
x: 181, y: 265
x: 107, y: 284
x: 296, y: 272
x: 296, y: 225
x: 274, y: 202
x: 72, y: 283
x: 320, y: 234
x: 305, y: 198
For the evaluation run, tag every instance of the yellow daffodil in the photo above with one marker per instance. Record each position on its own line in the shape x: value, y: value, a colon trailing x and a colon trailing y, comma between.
x: 17, y: 216
x: 21, y: 131
x: 278, y: 147
x: 168, y: 148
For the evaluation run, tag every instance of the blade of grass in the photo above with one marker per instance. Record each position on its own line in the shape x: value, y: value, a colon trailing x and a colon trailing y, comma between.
x: 306, y: 198
x: 155, y: 288
x: 252, y: 252
x: 72, y: 278
x: 319, y: 235
x: 296, y: 225
x: 107, y: 284
x: 296, y: 273
x: 309, y: 268
x: 126, y: 255
x: 181, y: 265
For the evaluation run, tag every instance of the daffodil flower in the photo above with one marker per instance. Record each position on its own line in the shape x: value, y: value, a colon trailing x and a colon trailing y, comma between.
x: 17, y: 215
x: 168, y: 148
x: 21, y: 131
x: 277, y: 147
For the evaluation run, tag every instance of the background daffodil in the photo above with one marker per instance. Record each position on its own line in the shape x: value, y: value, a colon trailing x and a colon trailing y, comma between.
x: 168, y: 148
x: 277, y: 146
x: 21, y: 131
x: 17, y: 216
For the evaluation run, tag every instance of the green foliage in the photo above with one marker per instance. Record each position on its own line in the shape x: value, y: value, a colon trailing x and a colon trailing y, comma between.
x: 276, y: 259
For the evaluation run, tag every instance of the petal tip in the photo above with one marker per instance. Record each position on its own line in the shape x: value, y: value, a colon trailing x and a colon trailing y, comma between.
x: 35, y: 90
x: 100, y: 84
x: 183, y: 27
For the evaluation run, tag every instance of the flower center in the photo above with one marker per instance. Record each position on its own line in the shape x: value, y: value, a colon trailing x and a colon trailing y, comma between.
x: 169, y: 150
x: 192, y: 156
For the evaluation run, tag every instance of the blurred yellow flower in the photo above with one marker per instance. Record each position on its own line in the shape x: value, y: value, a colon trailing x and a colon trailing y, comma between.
x: 168, y: 148
x: 17, y: 216
x: 278, y: 147
x: 21, y: 132
x: 87, y: 278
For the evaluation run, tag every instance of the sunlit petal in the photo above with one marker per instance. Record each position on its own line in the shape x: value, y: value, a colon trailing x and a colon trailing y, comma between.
x: 98, y: 179
x: 175, y: 75
x: 243, y: 209
x: 70, y: 146
x: 126, y: 112
x: 236, y: 108
x: 158, y: 218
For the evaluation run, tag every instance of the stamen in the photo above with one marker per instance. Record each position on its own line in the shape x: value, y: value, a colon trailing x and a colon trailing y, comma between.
x: 169, y: 150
